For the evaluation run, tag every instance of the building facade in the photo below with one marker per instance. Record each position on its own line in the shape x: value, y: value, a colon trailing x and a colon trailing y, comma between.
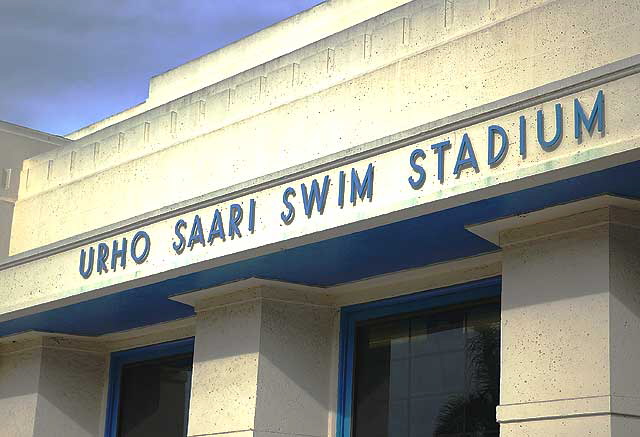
x: 387, y: 218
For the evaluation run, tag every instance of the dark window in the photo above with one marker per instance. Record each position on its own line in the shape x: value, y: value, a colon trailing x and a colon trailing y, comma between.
x: 433, y: 374
x: 154, y: 397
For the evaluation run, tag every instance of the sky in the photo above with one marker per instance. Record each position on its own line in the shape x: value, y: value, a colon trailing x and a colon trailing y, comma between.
x: 65, y: 64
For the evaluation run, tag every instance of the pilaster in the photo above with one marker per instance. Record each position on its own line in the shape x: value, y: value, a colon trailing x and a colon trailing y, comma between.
x: 570, y: 319
x: 263, y: 360
x: 51, y: 386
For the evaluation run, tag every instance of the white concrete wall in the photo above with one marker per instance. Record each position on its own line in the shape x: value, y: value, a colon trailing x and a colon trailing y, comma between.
x: 56, y: 277
x: 326, y: 97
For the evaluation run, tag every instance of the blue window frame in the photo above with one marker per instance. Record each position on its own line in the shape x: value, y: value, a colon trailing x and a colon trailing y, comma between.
x: 126, y: 357
x: 351, y: 316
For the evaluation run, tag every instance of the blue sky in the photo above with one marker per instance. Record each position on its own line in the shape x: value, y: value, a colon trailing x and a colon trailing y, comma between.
x: 67, y: 63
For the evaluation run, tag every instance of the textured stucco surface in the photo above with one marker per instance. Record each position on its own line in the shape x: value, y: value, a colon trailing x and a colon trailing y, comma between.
x: 295, y: 368
x: 51, y: 388
x: 70, y: 394
x: 570, y: 321
x: 19, y: 377
x: 263, y: 366
x: 225, y: 370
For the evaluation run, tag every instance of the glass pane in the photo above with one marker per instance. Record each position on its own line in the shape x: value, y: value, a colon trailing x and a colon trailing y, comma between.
x: 429, y: 375
x: 154, y: 398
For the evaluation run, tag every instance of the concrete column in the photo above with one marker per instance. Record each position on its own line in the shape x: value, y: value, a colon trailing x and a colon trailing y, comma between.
x: 570, y: 320
x: 263, y: 361
x: 50, y: 387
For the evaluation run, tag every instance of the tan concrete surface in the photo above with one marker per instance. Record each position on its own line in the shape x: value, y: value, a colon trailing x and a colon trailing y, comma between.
x: 225, y: 370
x: 262, y: 365
x: 51, y: 388
x: 19, y: 378
x: 570, y: 321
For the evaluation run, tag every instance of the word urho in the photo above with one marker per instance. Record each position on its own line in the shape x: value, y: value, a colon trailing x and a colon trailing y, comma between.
x: 118, y: 251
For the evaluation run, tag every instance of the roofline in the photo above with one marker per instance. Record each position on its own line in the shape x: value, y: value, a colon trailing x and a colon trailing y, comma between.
x: 33, y: 134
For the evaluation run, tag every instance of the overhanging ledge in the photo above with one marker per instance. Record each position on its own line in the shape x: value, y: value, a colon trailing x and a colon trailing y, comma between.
x: 252, y: 289
x: 338, y: 263
x: 555, y: 219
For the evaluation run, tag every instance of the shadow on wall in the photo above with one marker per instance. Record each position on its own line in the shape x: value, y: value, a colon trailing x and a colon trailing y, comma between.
x: 44, y: 389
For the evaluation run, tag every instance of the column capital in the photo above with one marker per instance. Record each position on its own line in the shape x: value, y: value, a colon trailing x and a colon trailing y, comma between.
x: 251, y: 289
x: 556, y: 220
x: 49, y: 340
x: 52, y: 384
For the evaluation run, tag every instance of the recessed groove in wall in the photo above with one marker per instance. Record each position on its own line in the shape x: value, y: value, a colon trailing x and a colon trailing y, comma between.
x: 96, y: 152
x: 121, y: 139
x: 174, y: 122
x: 448, y: 13
x: 406, y: 30
x: 230, y: 98
x: 202, y: 110
x: 72, y: 161
x: 263, y: 87
x: 295, y: 74
x: 331, y: 60
x: 367, y: 46
x: 146, y: 131
x: 6, y: 182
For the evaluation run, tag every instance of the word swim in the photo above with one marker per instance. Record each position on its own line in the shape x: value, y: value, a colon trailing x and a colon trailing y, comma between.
x: 314, y: 195
x: 216, y: 229
x: 466, y: 157
x: 108, y: 256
